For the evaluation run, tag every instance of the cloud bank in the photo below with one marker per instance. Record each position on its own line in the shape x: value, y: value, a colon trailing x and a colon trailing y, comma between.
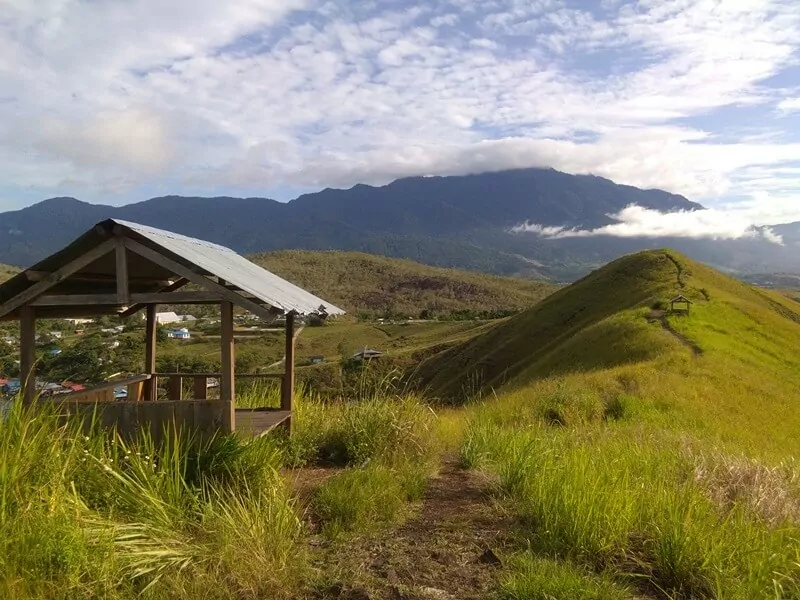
x: 635, y: 221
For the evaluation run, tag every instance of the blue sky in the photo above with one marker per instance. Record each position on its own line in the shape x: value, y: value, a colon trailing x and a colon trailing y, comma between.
x: 121, y: 100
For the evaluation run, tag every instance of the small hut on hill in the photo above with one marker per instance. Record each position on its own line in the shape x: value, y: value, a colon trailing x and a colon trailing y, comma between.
x: 121, y: 268
x: 680, y: 304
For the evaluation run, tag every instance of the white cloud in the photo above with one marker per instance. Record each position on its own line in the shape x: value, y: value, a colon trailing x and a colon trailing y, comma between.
x: 789, y: 105
x: 254, y: 94
x: 636, y: 221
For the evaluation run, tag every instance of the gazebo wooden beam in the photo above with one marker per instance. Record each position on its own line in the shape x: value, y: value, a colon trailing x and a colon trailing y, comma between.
x: 287, y: 383
x: 227, y: 391
x: 151, y: 325
x: 39, y: 288
x: 113, y: 299
x: 121, y: 259
x: 35, y: 276
x: 175, y: 285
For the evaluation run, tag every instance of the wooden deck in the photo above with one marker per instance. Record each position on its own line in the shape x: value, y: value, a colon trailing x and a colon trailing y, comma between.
x: 258, y: 421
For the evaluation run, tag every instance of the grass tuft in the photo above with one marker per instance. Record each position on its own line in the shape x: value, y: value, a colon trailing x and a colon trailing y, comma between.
x: 536, y: 578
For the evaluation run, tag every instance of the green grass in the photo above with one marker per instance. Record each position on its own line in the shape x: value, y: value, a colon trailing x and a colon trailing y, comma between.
x: 93, y: 517
x: 535, y: 578
x: 371, y: 428
x: 376, y: 284
x: 644, y: 505
x: 363, y: 500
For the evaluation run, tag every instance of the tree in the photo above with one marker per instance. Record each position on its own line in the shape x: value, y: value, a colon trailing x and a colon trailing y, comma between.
x: 162, y: 335
x: 83, y: 361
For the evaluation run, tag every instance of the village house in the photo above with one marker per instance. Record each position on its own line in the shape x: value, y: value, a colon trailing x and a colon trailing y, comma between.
x: 77, y: 322
x: 367, y: 354
x: 180, y: 334
x: 166, y: 318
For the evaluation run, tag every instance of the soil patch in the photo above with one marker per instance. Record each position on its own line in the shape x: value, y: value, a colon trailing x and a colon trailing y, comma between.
x: 448, y: 551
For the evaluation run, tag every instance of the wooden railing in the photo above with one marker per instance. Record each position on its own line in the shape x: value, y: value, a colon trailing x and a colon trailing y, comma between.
x: 135, y: 385
x: 104, y: 392
x: 200, y: 382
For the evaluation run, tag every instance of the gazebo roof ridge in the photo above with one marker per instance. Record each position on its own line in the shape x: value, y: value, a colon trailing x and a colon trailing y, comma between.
x: 158, y: 262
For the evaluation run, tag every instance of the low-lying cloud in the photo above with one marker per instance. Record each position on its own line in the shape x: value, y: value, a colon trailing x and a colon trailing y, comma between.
x: 637, y: 221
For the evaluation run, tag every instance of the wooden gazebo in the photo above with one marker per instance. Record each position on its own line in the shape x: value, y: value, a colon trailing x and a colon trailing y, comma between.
x: 121, y: 268
x: 680, y: 304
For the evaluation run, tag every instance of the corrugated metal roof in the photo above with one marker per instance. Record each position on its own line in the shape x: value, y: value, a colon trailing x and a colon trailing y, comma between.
x: 236, y: 270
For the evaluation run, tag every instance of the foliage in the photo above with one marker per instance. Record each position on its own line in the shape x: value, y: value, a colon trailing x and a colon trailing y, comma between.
x: 7, y: 272
x: 89, y: 516
x: 605, y: 322
x: 384, y: 428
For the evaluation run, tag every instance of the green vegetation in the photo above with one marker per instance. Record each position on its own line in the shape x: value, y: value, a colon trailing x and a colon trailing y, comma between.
x: 373, y: 285
x: 625, y: 451
x: 360, y: 500
x: 100, y: 517
x: 734, y: 355
x: 91, y: 517
x: 533, y: 578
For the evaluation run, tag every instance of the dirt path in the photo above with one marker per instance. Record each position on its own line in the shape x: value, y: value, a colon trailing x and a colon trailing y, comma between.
x: 445, y: 552
x: 661, y: 317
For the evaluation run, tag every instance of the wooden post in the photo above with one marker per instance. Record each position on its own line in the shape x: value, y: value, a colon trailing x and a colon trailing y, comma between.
x: 227, y: 392
x: 27, y: 359
x: 122, y: 272
x: 175, y: 387
x: 200, y: 388
x: 150, y: 388
x: 287, y: 383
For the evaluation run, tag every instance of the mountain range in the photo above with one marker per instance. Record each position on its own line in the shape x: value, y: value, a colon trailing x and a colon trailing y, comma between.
x: 457, y: 221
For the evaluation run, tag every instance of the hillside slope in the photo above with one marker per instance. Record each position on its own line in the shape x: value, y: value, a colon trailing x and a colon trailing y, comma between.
x: 361, y: 282
x: 734, y: 354
x: 7, y: 272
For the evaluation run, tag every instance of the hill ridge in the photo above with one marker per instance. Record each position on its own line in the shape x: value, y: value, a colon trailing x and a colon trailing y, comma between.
x: 605, y: 320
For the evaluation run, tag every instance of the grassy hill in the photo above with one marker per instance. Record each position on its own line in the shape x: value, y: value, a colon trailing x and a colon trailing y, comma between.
x: 377, y: 284
x: 733, y: 355
x: 7, y: 272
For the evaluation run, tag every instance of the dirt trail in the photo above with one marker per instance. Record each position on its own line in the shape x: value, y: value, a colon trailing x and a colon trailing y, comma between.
x: 445, y: 552
x: 661, y: 317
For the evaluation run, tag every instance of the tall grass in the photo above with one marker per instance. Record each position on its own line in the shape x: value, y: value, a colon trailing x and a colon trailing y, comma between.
x: 388, y: 443
x: 354, y: 433
x: 624, y: 502
x: 89, y: 516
